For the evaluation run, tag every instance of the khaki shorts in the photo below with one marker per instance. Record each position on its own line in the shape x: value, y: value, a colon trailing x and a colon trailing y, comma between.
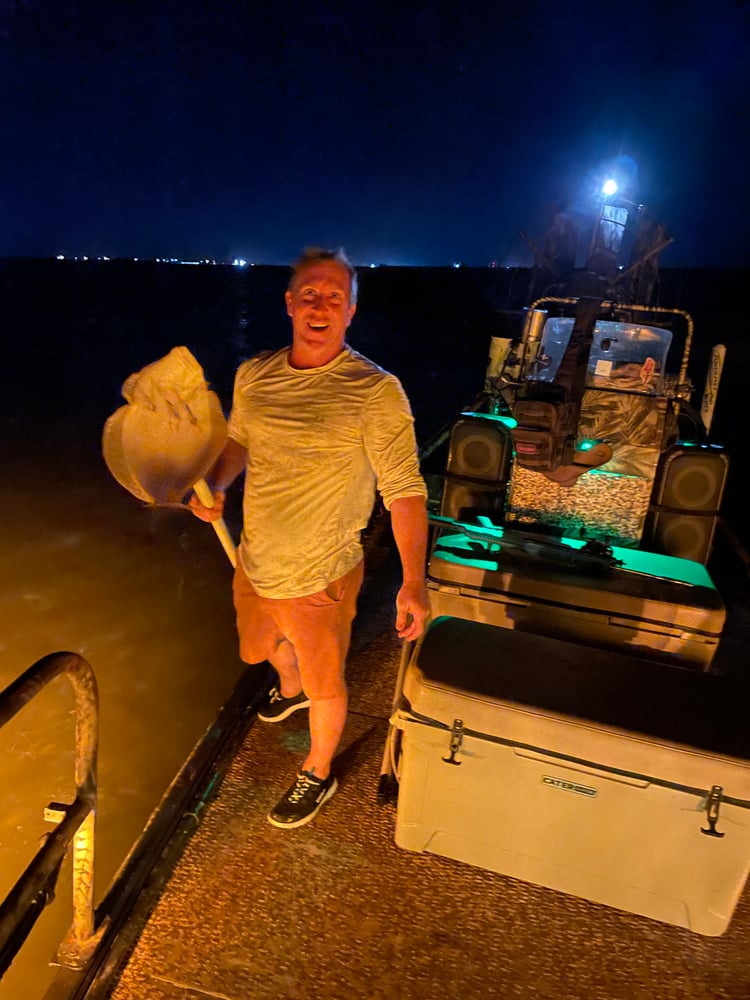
x: 318, y: 626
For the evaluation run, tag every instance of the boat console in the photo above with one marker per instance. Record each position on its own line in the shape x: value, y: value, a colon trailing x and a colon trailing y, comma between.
x: 552, y: 723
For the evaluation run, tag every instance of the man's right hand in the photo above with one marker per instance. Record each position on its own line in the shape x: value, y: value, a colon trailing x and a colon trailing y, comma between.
x: 208, y: 513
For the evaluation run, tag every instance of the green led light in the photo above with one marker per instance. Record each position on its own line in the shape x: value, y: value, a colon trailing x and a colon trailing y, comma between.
x: 457, y: 549
x: 510, y: 422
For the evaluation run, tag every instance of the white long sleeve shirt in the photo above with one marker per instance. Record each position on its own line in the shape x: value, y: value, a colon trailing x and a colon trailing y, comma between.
x: 318, y: 443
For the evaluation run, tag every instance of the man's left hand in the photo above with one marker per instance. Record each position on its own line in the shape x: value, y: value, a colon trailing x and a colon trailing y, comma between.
x: 412, y: 610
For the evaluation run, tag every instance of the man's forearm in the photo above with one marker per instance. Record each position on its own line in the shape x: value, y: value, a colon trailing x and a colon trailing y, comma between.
x: 229, y: 465
x: 409, y: 524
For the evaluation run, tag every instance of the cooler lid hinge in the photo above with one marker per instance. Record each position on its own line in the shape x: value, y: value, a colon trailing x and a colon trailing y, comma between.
x: 713, y: 803
x: 457, y: 736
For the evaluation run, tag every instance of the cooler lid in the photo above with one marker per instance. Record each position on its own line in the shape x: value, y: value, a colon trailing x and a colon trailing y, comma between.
x: 646, y: 585
x: 600, y: 708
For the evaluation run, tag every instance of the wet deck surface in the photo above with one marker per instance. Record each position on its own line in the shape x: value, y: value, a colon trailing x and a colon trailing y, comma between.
x: 335, y: 909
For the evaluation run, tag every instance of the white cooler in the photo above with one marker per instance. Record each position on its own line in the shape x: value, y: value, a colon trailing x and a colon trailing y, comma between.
x: 648, y: 604
x: 615, y: 779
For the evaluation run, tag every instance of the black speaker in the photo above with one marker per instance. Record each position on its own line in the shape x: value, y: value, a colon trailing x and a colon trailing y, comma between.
x: 460, y: 494
x: 689, y: 489
x: 478, y: 465
x: 480, y: 448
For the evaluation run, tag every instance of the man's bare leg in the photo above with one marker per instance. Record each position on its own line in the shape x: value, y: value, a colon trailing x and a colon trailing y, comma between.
x: 327, y: 716
x: 327, y: 720
x: 284, y: 661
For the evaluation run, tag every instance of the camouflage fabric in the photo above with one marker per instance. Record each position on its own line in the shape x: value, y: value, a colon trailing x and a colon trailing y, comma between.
x: 608, y: 503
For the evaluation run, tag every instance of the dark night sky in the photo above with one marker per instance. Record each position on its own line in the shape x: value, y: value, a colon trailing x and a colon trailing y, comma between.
x: 420, y: 133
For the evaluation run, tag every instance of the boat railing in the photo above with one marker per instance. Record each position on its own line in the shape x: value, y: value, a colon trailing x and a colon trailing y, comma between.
x: 74, y: 822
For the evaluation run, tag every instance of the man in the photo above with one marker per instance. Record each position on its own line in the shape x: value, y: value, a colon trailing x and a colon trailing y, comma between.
x: 315, y: 427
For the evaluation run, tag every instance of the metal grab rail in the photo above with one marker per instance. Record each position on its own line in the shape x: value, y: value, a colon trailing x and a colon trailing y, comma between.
x: 35, y: 888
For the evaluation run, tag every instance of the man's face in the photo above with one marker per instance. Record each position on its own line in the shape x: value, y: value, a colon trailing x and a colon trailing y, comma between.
x: 318, y: 303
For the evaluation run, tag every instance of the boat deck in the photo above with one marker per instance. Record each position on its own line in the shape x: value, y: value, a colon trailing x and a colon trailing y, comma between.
x: 335, y: 909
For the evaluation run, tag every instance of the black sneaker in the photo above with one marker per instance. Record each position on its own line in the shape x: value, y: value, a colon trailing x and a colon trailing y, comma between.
x: 303, y: 800
x: 277, y: 707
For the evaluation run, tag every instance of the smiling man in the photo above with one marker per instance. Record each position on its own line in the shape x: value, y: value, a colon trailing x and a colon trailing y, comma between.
x: 316, y: 428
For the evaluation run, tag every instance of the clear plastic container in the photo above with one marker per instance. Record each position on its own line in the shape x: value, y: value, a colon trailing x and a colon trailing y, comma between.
x: 624, y: 356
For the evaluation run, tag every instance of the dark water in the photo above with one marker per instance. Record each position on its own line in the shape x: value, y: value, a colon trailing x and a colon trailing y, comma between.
x: 145, y: 595
x: 74, y: 330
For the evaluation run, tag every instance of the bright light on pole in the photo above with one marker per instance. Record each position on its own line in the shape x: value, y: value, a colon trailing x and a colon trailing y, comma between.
x: 609, y: 187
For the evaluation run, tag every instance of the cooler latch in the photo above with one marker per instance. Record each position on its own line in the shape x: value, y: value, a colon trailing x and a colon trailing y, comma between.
x: 457, y: 736
x: 712, y: 811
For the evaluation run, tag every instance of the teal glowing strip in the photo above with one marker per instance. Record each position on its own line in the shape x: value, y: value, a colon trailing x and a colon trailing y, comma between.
x: 457, y: 549
x: 498, y: 418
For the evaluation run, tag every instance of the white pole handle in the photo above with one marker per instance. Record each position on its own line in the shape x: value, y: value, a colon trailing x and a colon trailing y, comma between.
x: 711, y: 390
x: 205, y: 496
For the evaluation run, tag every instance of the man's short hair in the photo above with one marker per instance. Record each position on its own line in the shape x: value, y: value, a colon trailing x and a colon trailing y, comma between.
x: 314, y: 255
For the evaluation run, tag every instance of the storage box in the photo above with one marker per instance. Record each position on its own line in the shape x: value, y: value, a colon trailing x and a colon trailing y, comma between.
x: 618, y: 780
x: 646, y: 604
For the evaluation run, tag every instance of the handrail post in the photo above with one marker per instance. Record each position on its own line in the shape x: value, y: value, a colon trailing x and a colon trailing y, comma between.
x: 81, y: 938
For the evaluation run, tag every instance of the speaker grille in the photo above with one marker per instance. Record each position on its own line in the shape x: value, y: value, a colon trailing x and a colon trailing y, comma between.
x: 692, y: 479
x: 688, y: 536
x: 460, y: 494
x: 480, y: 448
x: 690, y: 488
x: 478, y: 466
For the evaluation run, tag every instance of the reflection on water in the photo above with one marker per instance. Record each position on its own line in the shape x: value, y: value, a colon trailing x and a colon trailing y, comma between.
x: 145, y: 597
